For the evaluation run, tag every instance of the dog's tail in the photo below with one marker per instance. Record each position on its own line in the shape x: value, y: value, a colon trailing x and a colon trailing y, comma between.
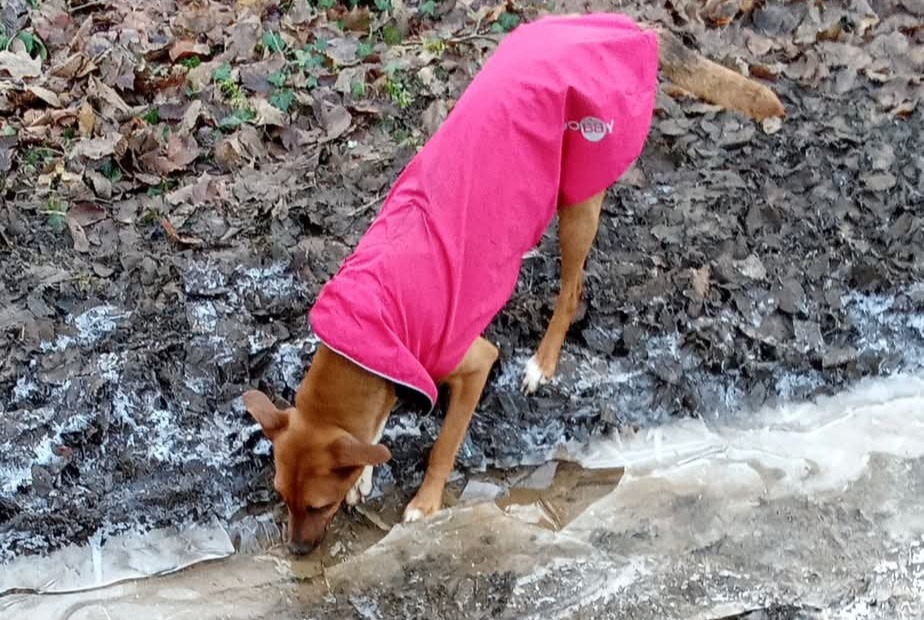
x: 714, y: 83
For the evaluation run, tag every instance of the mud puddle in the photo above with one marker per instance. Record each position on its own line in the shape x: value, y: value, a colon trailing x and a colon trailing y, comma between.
x: 800, y: 512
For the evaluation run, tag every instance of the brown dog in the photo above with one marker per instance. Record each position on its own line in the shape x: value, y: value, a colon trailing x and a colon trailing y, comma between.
x: 326, y: 445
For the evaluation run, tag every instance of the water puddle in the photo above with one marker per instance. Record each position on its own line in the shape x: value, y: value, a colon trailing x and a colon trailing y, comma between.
x: 817, y: 509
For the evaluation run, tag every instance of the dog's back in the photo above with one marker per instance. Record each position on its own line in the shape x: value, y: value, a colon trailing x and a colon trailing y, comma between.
x: 557, y: 114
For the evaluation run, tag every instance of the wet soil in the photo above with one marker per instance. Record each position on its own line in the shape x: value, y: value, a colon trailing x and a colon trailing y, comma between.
x: 736, y: 265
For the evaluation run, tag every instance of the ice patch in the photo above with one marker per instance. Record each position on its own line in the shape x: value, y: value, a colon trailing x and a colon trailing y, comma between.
x: 202, y: 317
x: 24, y: 388
x: 272, y: 281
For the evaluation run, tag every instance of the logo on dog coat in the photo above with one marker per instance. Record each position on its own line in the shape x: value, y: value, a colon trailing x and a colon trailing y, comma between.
x: 592, y: 128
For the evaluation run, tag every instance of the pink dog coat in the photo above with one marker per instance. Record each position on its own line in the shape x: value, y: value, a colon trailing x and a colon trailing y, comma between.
x: 556, y: 115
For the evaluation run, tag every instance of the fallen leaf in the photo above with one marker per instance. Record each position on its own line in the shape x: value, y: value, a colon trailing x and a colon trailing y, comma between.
x: 87, y: 213
x: 20, y: 65
x: 341, y: 50
x: 184, y: 48
x: 108, y: 96
x: 74, y: 66
x: 242, y: 38
x: 181, y: 151
x: 86, y: 119
x: 193, y: 193
x: 356, y: 19
x: 97, y: 148
x: 191, y: 117
x: 45, y: 95
x: 700, y: 280
x: 334, y: 119
x: 268, y: 114
x: 81, y: 244
x: 434, y: 116
x: 102, y: 186
x: 879, y: 182
x: 177, y: 237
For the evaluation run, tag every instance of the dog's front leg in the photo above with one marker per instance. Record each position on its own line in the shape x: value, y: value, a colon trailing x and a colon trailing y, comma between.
x: 577, y: 229
x: 466, y: 384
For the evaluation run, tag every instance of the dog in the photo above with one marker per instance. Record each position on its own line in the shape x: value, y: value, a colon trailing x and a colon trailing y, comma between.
x: 556, y: 115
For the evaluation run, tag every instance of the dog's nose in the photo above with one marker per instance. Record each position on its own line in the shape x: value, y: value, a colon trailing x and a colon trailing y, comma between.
x: 300, y: 548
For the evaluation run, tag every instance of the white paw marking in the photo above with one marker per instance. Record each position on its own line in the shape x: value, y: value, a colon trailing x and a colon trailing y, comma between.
x: 362, y: 489
x: 413, y: 514
x: 533, y: 376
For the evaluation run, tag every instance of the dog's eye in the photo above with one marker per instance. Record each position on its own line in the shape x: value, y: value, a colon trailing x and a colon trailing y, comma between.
x: 318, y: 509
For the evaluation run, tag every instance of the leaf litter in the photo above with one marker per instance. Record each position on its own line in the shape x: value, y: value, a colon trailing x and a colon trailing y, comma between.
x: 194, y: 172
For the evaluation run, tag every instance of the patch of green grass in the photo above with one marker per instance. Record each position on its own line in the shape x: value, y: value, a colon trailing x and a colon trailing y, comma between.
x: 191, y: 62
x: 56, y: 210
x: 111, y: 170
x: 222, y: 73
x: 506, y: 22
x: 435, y: 46
x: 278, y: 78
x: 151, y: 215
x: 282, y: 99
x: 231, y: 91
x: 427, y: 9
x: 358, y: 89
x: 237, y: 118
x: 391, y: 34
x: 166, y: 185
x: 273, y: 41
x: 397, y: 88
x: 366, y: 47
x: 37, y: 157
x: 152, y: 116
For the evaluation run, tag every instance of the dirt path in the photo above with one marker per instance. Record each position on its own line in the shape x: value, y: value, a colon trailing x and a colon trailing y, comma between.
x: 179, y: 180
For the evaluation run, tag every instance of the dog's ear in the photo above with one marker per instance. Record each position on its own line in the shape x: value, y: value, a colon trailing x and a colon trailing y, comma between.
x: 265, y: 413
x: 350, y: 452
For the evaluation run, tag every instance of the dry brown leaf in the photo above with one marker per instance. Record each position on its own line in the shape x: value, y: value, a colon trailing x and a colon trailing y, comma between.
x: 49, y: 97
x: 87, y: 213
x: 334, y: 119
x: 176, y: 237
x: 700, y: 280
x: 191, y: 117
x: 181, y: 151
x: 86, y: 119
x: 97, y: 148
x: 20, y: 65
x: 107, y: 97
x: 74, y: 66
x: 357, y: 19
x: 184, y: 48
x: 81, y: 244
x: 267, y: 114
x: 196, y: 193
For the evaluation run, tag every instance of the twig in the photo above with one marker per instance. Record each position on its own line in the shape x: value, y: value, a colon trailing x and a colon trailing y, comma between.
x: 88, y: 5
x: 363, y: 208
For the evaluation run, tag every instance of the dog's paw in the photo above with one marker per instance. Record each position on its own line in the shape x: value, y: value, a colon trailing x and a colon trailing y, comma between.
x: 422, y: 506
x: 362, y: 489
x: 533, y: 376
x: 413, y: 514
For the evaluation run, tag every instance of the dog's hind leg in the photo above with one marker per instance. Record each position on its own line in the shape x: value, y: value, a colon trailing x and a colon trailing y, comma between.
x: 577, y: 229
x: 466, y: 384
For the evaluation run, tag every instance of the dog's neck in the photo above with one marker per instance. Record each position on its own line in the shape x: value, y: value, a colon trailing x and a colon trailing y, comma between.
x: 336, y: 391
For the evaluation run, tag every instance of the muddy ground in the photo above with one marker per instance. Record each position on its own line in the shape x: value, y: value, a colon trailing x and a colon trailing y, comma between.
x: 166, y: 223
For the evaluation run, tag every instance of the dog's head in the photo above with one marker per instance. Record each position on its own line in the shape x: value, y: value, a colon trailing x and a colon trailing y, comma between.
x: 316, y: 465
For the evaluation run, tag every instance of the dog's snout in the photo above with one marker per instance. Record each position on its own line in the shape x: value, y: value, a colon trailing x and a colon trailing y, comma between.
x: 301, y: 548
